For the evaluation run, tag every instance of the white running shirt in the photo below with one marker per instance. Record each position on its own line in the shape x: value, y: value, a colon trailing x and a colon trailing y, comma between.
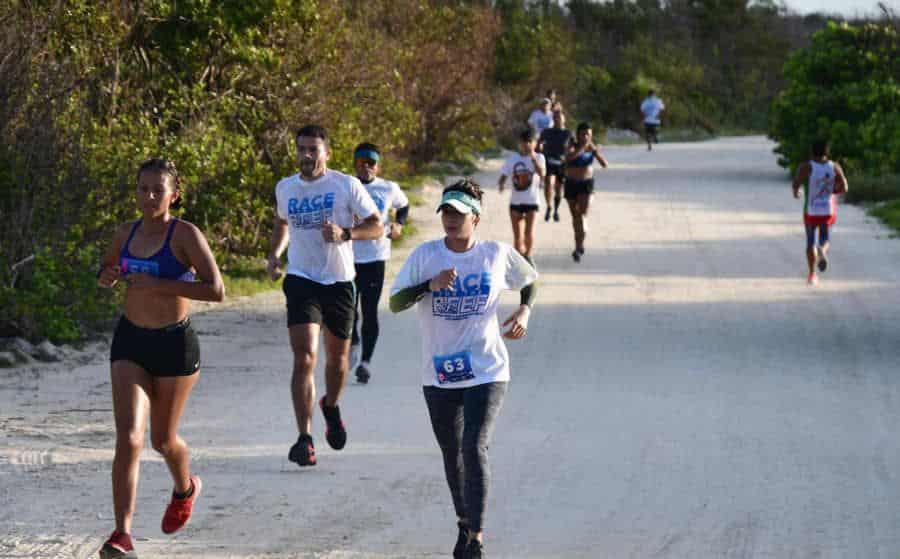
x: 526, y: 183
x: 461, y: 342
x: 820, y: 198
x: 540, y: 120
x: 651, y: 107
x: 386, y: 195
x: 306, y: 206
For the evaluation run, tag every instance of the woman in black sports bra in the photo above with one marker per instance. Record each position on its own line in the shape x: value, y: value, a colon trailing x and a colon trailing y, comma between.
x: 579, y: 185
x: 155, y: 356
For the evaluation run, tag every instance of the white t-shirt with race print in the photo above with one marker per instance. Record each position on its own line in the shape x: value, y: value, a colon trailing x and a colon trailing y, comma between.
x: 526, y: 183
x: 461, y: 340
x: 386, y: 195
x: 306, y: 206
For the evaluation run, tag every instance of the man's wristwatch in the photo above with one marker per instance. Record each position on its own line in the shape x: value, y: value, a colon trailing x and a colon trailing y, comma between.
x: 345, y: 234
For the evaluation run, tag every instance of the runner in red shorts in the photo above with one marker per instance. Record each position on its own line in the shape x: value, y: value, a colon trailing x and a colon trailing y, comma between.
x: 822, y: 180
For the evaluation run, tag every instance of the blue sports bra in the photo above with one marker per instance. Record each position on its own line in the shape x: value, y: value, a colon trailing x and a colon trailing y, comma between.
x: 583, y: 160
x: 163, y: 264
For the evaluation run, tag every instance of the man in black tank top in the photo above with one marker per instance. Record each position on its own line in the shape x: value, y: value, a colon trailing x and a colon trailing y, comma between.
x: 553, y: 143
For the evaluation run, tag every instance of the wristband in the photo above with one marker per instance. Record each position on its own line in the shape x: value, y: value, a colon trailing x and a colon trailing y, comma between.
x: 346, y: 234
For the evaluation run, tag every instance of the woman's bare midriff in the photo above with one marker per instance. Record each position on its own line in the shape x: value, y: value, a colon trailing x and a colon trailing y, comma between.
x: 579, y: 173
x: 155, y: 311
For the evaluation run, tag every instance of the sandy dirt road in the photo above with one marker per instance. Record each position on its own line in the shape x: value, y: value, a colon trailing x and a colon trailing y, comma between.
x: 681, y: 394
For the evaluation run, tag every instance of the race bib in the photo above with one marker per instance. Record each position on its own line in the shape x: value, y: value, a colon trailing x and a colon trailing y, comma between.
x: 138, y: 266
x: 455, y: 367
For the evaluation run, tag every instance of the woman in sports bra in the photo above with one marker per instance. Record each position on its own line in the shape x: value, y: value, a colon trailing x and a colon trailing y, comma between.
x: 155, y: 357
x: 579, y: 187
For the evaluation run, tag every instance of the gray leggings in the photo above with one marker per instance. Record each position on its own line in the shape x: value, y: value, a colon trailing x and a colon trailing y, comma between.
x: 463, y: 420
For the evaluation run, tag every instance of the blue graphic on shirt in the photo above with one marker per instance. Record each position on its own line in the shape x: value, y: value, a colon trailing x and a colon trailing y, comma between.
x: 469, y: 297
x: 455, y: 367
x: 311, y: 212
x: 378, y: 198
x: 140, y: 266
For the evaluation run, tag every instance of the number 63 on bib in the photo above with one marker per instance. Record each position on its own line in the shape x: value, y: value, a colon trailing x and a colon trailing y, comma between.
x: 455, y: 367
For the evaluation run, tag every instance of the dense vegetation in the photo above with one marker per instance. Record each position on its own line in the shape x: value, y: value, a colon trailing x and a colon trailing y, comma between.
x: 90, y: 88
x: 844, y: 87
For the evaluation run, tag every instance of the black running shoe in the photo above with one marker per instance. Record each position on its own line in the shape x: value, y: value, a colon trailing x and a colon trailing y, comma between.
x: 335, y: 433
x: 823, y: 260
x: 303, y: 452
x: 363, y: 374
x: 576, y: 256
x: 459, y: 550
x: 474, y: 550
x: 547, y: 215
x: 556, y: 217
x: 118, y: 546
x: 580, y: 251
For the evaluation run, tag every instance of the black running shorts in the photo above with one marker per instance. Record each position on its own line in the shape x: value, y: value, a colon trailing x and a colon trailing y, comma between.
x: 173, y: 351
x: 523, y: 208
x: 575, y: 188
x: 310, y: 302
x: 557, y: 170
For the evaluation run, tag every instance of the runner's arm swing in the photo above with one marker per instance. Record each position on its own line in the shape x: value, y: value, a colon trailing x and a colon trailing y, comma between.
x: 528, y: 294
x: 393, y: 230
x: 801, y: 178
x: 277, y: 245
x: 409, y: 296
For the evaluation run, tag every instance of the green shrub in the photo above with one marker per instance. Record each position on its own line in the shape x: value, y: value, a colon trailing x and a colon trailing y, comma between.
x: 845, y: 87
x: 889, y: 213
x: 867, y: 188
x: 59, y: 298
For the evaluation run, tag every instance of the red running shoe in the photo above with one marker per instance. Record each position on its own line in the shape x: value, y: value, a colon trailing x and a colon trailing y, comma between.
x: 179, y: 510
x: 118, y: 546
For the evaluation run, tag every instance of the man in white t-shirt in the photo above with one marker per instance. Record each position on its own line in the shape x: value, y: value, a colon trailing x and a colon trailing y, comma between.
x: 370, y: 257
x: 651, y: 108
x: 541, y: 118
x: 316, y: 209
x: 527, y: 170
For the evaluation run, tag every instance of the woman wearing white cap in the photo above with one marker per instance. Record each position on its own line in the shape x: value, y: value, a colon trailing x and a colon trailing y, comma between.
x: 455, y: 283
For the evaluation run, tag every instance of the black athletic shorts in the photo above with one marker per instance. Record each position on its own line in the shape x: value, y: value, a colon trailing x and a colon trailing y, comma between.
x: 173, y: 351
x: 523, y: 208
x: 310, y: 302
x: 574, y: 188
x: 557, y: 170
x: 651, y: 128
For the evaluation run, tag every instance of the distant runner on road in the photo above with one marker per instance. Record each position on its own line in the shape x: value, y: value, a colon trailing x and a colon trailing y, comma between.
x: 651, y: 108
x: 526, y: 169
x: 370, y: 257
x: 579, y: 187
x: 155, y: 355
x: 315, y: 213
x: 553, y: 144
x: 541, y: 118
x: 455, y: 284
x: 821, y: 180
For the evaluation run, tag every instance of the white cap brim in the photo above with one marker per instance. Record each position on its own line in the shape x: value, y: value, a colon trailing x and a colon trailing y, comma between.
x: 456, y: 205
